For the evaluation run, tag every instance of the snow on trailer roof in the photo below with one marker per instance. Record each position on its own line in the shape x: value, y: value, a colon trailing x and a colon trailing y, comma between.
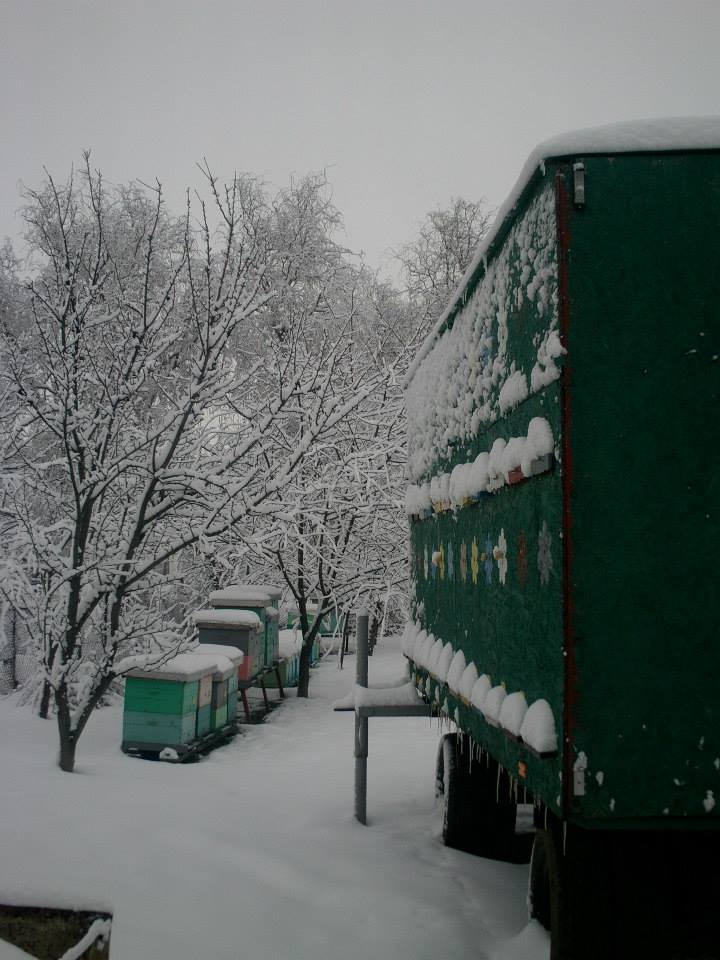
x: 213, y: 617
x: 241, y: 594
x: 661, y: 135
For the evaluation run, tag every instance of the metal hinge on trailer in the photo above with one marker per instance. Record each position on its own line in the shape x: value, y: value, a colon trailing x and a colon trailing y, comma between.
x: 579, y: 183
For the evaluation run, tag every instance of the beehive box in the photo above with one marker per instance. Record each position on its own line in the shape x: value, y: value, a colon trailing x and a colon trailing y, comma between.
x: 254, y: 600
x: 219, y: 712
x: 204, y: 705
x: 284, y: 669
x: 290, y: 645
x: 224, y: 681
x: 161, y: 705
x: 234, y: 627
x: 275, y: 594
x: 233, y: 697
x: 332, y: 621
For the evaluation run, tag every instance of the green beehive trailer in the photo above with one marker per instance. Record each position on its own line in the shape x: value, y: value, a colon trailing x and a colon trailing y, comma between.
x: 259, y: 602
x: 564, y: 504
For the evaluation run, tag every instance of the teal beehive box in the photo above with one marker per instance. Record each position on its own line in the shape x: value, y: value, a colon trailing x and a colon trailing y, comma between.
x: 204, y: 704
x: 275, y: 594
x: 161, y: 705
x: 224, y: 681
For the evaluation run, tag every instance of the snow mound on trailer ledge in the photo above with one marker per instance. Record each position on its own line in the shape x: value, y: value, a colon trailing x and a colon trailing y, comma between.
x: 634, y: 136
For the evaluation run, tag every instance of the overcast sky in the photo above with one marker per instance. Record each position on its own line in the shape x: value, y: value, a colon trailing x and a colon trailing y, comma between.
x: 406, y: 103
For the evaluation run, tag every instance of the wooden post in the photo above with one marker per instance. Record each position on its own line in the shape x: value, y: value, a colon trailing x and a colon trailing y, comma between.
x: 279, y: 681
x: 361, y: 723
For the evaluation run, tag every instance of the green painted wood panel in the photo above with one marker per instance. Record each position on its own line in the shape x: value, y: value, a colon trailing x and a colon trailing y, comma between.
x: 159, y: 728
x: 271, y: 679
x: 644, y: 339
x: 232, y: 706
x: 219, y: 693
x: 511, y: 630
x: 204, y: 691
x: 506, y: 618
x: 219, y: 717
x: 160, y: 696
x: 204, y: 717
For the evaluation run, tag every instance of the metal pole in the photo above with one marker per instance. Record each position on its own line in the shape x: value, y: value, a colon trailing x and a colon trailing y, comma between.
x: 361, y: 723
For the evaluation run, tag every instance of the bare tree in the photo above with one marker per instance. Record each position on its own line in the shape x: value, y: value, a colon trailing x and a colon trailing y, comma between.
x: 340, y: 539
x: 434, y: 262
x: 117, y: 451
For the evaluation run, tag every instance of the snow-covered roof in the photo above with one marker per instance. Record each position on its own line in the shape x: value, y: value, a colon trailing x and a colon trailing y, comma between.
x: 224, y: 656
x: 241, y: 595
x: 661, y: 135
x: 227, y: 618
x: 271, y: 589
x: 183, y: 668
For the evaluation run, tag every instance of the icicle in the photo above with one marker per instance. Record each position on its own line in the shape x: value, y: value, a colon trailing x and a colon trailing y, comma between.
x: 497, y: 786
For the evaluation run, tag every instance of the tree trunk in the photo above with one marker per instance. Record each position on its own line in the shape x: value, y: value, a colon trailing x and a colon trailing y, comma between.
x: 304, y: 676
x: 45, y: 700
x: 374, y: 630
x: 47, y: 689
x: 67, y: 737
x: 68, y: 745
x: 68, y: 732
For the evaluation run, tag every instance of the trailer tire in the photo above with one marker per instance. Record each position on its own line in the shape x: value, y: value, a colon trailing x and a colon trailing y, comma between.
x: 440, y: 767
x: 544, y: 884
x: 476, y: 819
x: 451, y: 784
x: 569, y: 894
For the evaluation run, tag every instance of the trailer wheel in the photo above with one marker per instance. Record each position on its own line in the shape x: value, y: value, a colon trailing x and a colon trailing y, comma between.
x: 544, y: 882
x: 440, y: 767
x: 569, y: 893
x: 451, y: 784
x: 478, y: 817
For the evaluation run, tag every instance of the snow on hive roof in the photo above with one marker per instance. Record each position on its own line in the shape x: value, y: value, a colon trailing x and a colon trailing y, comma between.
x: 221, y: 653
x: 184, y: 668
x: 273, y: 591
x: 240, y: 595
x: 226, y: 618
x: 660, y: 135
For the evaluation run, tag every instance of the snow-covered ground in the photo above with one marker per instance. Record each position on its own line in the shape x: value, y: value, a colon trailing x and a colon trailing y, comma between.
x: 254, y: 852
